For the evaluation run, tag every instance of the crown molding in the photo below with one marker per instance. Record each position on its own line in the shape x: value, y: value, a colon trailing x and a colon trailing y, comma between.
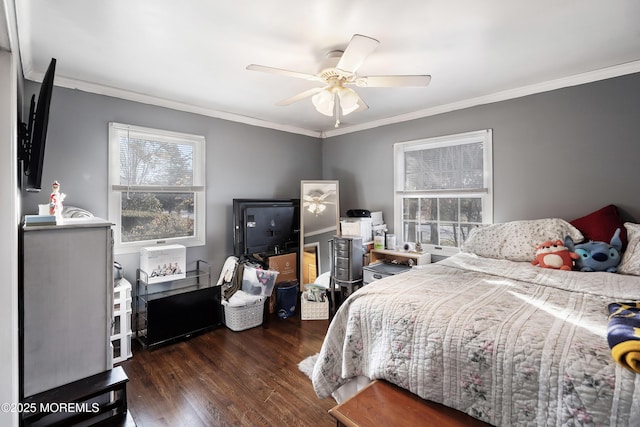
x: 575, y: 80
x: 161, y: 102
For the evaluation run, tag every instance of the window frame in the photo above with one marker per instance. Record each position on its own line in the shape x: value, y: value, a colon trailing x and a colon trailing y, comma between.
x: 116, y: 190
x: 485, y: 193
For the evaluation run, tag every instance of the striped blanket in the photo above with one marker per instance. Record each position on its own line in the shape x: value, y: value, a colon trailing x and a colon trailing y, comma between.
x: 505, y: 342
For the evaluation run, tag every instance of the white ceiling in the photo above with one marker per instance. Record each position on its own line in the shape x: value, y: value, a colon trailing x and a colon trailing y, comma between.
x: 191, y: 54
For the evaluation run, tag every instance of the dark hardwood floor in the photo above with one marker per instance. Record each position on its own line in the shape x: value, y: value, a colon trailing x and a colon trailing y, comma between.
x: 226, y: 378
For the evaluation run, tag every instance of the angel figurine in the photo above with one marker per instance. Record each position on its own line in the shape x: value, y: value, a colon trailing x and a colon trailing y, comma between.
x: 55, y: 199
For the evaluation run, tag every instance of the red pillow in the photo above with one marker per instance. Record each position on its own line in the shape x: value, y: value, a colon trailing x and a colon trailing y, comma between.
x: 600, y: 225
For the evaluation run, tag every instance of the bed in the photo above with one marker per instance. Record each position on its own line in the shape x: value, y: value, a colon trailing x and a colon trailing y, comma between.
x: 491, y: 335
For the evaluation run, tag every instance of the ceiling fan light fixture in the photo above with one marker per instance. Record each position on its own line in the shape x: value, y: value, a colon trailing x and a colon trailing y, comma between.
x: 324, y: 102
x: 316, y: 208
x: 348, y: 100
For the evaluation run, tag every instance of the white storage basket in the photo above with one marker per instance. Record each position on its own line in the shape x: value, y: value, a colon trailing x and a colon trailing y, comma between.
x: 239, y: 318
x: 312, y: 310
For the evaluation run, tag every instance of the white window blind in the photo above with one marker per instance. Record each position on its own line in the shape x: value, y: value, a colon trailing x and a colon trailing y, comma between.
x: 157, y: 187
x: 443, y: 188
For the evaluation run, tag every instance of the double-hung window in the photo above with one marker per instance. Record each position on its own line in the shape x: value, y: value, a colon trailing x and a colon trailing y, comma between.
x: 156, y: 187
x: 443, y: 189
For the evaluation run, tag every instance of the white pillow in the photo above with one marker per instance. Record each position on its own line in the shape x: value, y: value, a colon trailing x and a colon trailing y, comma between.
x: 517, y: 240
x: 630, y: 263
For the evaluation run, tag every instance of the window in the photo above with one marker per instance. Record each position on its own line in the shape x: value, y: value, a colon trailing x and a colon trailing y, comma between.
x: 443, y: 189
x: 157, y: 187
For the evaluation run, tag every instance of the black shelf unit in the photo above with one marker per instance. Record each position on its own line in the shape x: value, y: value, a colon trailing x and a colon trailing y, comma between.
x: 178, y: 308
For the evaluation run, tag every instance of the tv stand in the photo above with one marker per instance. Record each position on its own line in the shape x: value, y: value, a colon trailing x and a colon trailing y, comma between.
x: 177, y: 308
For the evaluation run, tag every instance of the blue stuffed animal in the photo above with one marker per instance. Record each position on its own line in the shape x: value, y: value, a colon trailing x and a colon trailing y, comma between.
x: 597, y: 256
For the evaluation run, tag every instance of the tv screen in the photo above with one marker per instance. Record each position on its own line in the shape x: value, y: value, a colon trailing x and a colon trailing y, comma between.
x: 34, y: 132
x: 268, y: 228
x: 263, y: 226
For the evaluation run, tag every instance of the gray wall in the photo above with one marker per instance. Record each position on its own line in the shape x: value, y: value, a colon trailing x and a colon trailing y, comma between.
x: 563, y: 153
x: 242, y: 162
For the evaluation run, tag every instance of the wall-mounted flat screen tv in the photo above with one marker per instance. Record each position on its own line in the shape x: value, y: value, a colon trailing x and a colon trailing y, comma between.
x: 265, y: 226
x: 33, y: 132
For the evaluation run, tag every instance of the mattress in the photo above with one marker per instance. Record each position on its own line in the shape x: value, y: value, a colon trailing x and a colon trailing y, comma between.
x: 505, y: 342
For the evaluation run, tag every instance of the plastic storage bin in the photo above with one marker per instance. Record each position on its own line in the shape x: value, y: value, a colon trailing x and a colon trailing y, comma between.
x: 121, y: 347
x: 256, y: 281
x: 121, y: 326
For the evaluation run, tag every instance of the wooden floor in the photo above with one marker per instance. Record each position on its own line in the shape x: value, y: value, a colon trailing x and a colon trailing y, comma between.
x: 226, y: 378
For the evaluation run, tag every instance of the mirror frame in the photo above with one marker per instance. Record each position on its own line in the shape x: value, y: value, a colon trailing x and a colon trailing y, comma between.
x: 306, y: 187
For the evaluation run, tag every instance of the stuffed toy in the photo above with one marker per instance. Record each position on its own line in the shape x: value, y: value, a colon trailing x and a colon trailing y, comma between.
x: 554, y: 254
x: 597, y: 256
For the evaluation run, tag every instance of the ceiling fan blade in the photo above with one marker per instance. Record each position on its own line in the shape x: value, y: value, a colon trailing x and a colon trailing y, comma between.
x: 300, y: 96
x: 271, y: 70
x: 393, y: 81
x: 361, y: 104
x: 356, y: 52
x: 325, y: 195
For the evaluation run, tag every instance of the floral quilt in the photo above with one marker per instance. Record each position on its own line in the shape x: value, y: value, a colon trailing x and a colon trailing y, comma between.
x: 505, y: 342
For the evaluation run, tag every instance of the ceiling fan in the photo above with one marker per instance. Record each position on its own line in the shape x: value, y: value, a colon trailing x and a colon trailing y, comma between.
x: 315, y: 202
x: 339, y: 71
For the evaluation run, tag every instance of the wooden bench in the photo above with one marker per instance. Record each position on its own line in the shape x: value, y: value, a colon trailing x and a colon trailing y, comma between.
x: 100, y: 398
x: 384, y: 404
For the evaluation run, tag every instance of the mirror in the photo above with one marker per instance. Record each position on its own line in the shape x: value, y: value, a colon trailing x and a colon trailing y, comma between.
x: 310, y: 263
x: 319, y: 222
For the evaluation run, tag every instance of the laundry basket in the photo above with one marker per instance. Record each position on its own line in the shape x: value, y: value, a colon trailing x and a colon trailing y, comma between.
x: 239, y: 318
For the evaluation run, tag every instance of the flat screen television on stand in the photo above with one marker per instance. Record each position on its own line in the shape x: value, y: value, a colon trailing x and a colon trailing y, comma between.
x: 265, y: 226
x: 33, y: 133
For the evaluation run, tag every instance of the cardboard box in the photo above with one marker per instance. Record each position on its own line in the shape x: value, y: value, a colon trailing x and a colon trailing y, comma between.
x: 286, y: 265
x: 164, y: 263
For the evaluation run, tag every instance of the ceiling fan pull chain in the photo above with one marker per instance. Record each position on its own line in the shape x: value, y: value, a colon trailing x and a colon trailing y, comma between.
x: 336, y: 108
